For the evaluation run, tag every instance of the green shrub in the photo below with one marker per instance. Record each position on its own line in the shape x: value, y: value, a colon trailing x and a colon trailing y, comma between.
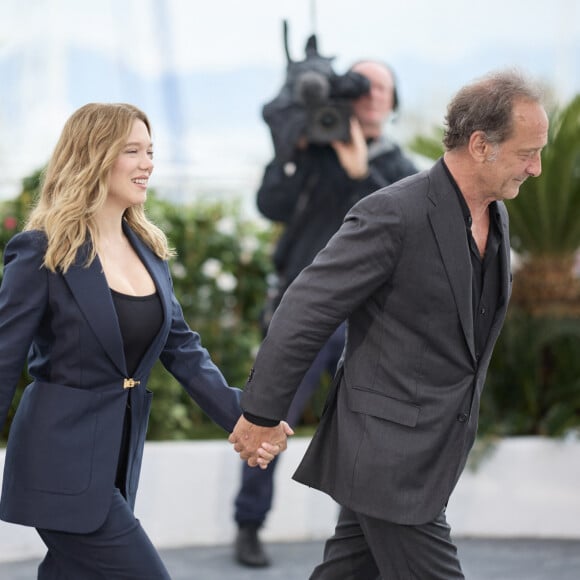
x: 533, y: 384
x: 219, y: 274
x: 219, y: 277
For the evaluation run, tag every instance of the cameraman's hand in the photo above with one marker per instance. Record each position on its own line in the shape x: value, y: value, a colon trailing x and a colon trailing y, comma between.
x: 353, y: 156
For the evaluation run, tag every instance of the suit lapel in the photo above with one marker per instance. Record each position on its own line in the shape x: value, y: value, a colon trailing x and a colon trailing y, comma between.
x: 505, y: 263
x: 449, y: 229
x: 93, y: 296
x: 158, y: 272
x: 505, y: 278
x: 91, y: 292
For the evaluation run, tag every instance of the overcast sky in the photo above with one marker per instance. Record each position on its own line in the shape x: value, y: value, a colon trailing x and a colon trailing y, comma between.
x: 154, y: 36
x: 233, y: 33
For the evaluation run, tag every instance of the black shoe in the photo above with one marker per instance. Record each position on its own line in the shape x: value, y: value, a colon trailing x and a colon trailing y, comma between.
x: 249, y: 549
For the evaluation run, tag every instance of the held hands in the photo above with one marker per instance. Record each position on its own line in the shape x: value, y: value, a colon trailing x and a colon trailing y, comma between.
x: 353, y: 156
x: 259, y: 445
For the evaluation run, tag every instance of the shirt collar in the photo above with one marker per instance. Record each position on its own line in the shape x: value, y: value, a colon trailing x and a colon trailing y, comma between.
x: 493, y: 211
x: 462, y: 203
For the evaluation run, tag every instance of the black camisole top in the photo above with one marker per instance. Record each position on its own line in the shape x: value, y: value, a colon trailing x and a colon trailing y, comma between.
x: 140, y: 318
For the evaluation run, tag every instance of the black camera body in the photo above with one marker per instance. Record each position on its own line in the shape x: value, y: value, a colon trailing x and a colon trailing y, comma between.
x: 327, y: 99
x: 314, y: 102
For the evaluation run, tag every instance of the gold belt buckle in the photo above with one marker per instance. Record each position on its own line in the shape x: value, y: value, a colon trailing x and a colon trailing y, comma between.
x: 130, y: 383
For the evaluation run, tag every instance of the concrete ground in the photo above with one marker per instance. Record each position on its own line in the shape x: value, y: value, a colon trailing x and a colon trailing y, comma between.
x: 482, y: 559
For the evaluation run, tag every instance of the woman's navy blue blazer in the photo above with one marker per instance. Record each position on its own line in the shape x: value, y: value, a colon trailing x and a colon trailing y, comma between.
x: 64, y: 441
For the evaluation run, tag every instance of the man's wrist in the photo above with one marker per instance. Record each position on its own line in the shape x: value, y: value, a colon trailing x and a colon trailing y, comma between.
x: 260, y: 421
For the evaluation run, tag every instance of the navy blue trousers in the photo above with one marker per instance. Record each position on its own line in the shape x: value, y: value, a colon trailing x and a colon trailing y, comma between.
x: 119, y: 550
x: 255, y: 495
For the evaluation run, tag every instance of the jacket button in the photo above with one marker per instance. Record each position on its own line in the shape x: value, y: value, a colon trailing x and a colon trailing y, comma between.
x: 462, y: 417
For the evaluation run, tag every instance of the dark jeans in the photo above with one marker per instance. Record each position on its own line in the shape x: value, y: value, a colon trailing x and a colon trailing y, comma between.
x: 254, y: 498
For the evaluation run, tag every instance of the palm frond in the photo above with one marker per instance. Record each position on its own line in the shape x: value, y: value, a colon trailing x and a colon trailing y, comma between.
x: 544, y: 216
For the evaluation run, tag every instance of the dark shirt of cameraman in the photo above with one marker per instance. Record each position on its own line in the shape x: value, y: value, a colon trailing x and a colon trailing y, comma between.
x: 311, y: 195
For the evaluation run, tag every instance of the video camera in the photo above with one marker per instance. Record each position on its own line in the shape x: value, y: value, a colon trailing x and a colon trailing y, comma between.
x: 314, y: 102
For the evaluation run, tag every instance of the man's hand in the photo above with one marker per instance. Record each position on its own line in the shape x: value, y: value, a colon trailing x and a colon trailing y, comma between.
x: 353, y: 156
x: 259, y: 445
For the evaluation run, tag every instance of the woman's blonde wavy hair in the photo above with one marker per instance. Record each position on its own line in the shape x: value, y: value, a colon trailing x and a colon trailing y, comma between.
x: 75, y: 184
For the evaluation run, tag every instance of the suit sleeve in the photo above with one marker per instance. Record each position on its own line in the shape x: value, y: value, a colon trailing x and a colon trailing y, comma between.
x: 357, y: 261
x: 190, y: 363
x: 23, y: 300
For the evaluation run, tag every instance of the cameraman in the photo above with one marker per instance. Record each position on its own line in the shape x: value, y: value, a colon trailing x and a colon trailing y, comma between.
x: 311, y: 195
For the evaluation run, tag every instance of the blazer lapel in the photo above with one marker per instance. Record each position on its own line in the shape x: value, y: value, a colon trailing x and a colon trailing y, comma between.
x: 93, y: 296
x: 449, y: 229
x: 505, y: 263
x: 158, y: 272
x: 505, y: 278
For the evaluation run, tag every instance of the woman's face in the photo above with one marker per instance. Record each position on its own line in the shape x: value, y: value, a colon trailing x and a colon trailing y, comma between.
x: 130, y: 173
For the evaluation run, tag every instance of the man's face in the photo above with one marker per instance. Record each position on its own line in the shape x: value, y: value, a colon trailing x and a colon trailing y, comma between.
x: 372, y: 109
x: 518, y: 157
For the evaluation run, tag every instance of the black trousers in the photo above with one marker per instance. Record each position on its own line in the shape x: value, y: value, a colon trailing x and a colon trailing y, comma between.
x: 119, y: 550
x: 365, y: 548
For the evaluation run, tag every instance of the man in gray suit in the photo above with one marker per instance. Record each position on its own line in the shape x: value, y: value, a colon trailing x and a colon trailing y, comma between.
x: 421, y: 272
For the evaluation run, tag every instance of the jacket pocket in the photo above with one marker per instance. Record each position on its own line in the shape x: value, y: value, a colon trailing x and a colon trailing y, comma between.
x: 52, y: 439
x: 376, y: 404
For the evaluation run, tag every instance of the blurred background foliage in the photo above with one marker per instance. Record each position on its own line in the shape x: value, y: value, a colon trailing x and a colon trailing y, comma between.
x: 220, y: 276
x: 223, y: 263
x: 533, y: 385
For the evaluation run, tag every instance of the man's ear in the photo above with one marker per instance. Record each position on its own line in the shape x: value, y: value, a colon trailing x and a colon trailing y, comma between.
x: 480, y: 148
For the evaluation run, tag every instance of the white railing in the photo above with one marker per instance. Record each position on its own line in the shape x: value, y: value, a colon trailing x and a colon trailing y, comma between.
x: 527, y: 487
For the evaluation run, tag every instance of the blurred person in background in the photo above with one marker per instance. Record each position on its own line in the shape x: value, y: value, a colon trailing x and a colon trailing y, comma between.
x: 310, y: 194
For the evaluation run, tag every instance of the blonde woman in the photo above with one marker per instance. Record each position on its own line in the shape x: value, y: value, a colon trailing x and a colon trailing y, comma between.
x: 87, y: 301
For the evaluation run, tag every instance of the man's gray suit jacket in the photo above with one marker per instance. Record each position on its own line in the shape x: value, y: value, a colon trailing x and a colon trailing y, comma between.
x: 402, y: 414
